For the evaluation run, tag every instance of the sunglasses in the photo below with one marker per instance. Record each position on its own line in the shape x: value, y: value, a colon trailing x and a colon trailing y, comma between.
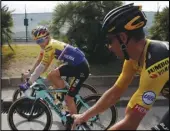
x: 41, y: 40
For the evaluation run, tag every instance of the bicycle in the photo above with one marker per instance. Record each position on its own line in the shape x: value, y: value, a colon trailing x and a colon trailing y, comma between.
x: 84, y: 88
x: 43, y: 99
x: 89, y: 89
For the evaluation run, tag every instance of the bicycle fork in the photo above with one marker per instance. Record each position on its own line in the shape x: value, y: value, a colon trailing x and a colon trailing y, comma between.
x: 32, y: 110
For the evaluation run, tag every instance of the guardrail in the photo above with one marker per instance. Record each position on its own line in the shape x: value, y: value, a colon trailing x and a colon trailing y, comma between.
x: 22, y: 39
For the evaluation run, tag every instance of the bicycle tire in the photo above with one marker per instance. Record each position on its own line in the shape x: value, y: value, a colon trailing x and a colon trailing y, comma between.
x: 16, y: 93
x: 89, y: 87
x: 96, y: 97
x: 21, y: 101
x: 38, y: 110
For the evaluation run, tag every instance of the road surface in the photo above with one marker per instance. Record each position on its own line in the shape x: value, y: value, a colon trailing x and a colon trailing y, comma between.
x: 152, y: 118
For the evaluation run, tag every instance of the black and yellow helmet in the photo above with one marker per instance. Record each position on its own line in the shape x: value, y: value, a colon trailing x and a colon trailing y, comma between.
x: 40, y: 32
x: 124, y: 18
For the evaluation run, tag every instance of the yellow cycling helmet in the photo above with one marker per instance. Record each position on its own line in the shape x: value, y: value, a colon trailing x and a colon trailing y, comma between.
x: 40, y: 32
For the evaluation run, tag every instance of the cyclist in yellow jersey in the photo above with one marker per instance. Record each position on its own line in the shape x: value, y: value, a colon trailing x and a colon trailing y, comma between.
x: 123, y: 28
x: 74, y: 64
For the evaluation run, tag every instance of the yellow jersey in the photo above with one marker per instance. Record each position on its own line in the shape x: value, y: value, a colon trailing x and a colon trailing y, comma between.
x: 154, y: 75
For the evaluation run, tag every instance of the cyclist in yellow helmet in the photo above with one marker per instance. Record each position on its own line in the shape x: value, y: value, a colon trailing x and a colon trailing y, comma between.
x: 123, y: 28
x: 75, y: 65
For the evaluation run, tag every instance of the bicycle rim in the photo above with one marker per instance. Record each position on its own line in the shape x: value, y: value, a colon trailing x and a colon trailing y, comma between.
x: 86, y: 90
x: 17, y: 122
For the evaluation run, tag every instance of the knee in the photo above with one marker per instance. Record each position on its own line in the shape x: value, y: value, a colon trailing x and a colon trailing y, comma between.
x: 54, y: 73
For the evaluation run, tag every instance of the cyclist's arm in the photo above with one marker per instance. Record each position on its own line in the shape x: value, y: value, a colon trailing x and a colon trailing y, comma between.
x: 143, y: 99
x: 44, y: 64
x: 39, y: 58
x: 112, y: 95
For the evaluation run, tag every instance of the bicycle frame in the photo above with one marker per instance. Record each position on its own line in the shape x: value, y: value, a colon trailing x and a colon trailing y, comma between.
x: 43, y: 93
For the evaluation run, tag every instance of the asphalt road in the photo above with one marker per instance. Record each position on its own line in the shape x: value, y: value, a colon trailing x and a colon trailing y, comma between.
x: 149, y: 120
x: 152, y: 118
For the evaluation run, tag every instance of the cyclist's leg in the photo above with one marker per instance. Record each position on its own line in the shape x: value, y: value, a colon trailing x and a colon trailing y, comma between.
x: 68, y: 71
x: 81, y: 74
x: 55, y: 76
x: 163, y: 124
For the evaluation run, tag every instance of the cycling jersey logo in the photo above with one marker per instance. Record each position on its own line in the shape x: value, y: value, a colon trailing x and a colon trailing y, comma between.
x: 76, y: 82
x: 82, y: 75
x: 163, y: 126
x: 69, y: 57
x: 48, y: 48
x: 159, y: 68
x: 148, y: 97
x: 140, y: 109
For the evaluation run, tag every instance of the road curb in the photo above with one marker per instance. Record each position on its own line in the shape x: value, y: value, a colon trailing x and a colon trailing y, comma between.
x: 108, y: 80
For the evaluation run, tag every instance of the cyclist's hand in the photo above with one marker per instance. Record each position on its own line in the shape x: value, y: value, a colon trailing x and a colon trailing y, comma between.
x: 78, y: 119
x: 26, y: 75
x: 24, y: 87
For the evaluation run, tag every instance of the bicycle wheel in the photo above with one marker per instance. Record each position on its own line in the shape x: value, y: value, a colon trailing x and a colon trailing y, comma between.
x: 104, y: 120
x: 18, y: 93
x: 86, y: 90
x: 23, y: 104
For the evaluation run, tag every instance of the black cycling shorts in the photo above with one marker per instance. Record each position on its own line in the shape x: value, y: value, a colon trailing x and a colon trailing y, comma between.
x: 80, y: 72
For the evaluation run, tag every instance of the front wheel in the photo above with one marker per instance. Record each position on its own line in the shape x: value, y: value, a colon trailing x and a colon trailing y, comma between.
x: 18, y: 93
x: 101, y: 121
x: 29, y: 122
